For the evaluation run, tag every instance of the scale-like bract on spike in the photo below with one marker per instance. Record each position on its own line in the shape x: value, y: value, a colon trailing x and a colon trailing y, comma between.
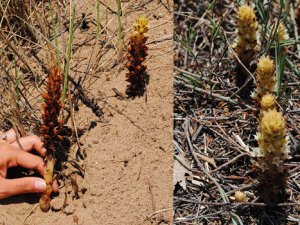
x: 265, y: 78
x: 51, y: 129
x: 137, y: 53
x: 267, y: 102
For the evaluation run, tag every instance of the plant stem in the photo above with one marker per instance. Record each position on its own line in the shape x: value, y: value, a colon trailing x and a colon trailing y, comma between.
x: 120, y: 38
x: 48, y: 177
x: 55, y: 36
x: 67, y: 68
x: 98, y: 22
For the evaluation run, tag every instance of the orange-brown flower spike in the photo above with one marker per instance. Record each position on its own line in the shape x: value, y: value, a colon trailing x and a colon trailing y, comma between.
x: 52, y: 106
x: 51, y: 129
x: 137, y: 53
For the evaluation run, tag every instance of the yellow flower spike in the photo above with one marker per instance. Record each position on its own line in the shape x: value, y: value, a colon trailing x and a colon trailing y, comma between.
x: 265, y: 69
x: 246, y: 16
x: 272, y: 140
x: 267, y: 102
x: 140, y: 26
x: 240, y: 197
x: 282, y: 33
x: 246, y: 42
x: 265, y: 77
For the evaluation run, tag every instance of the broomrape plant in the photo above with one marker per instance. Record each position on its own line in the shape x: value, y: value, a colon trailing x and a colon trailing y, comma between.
x: 272, y: 139
x: 137, y: 53
x: 51, y: 130
x: 272, y: 136
x: 246, y: 43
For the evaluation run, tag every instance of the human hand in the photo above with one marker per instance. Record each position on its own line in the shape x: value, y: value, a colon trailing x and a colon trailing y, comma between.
x: 11, y: 156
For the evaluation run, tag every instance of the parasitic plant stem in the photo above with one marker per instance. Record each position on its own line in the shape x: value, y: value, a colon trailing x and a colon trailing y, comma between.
x: 51, y: 129
x: 273, y: 150
x: 137, y: 52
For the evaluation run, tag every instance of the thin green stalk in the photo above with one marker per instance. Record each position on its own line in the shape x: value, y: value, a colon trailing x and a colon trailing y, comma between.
x: 55, y: 35
x: 69, y: 52
x: 280, y: 59
x: 295, y: 29
x: 120, y: 38
x: 17, y: 82
x: 98, y: 22
x: 275, y: 32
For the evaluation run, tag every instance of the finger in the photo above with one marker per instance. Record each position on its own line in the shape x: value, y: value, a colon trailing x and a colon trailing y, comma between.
x: 10, y: 135
x: 21, y: 185
x: 31, y: 142
x: 55, y: 185
x: 26, y: 160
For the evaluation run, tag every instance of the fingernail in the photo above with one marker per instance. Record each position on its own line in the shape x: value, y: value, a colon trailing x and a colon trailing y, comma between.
x: 44, y: 150
x: 40, y: 185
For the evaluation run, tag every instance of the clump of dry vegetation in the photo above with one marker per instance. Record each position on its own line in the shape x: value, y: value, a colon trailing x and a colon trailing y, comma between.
x: 224, y: 171
x: 15, y: 17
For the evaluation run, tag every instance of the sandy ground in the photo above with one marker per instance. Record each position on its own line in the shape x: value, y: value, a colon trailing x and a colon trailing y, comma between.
x: 128, y: 175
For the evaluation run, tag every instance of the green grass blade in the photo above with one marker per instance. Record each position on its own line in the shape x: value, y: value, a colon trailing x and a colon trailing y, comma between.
x: 69, y: 51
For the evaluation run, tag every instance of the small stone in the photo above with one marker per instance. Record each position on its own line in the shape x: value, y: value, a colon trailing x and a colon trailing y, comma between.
x: 83, y: 190
x: 70, y: 209
x: 57, y: 203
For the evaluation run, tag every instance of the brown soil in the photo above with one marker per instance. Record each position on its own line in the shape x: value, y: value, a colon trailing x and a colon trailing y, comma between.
x: 128, y: 167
